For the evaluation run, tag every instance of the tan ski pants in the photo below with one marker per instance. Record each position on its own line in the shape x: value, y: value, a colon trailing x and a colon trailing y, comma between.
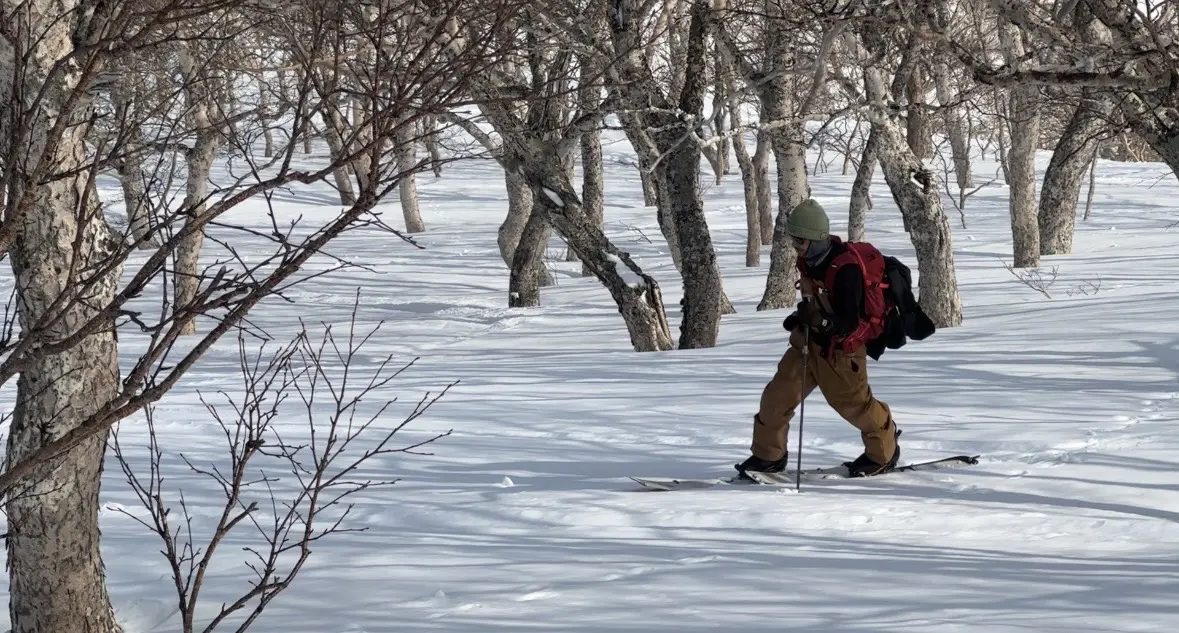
x: 843, y: 379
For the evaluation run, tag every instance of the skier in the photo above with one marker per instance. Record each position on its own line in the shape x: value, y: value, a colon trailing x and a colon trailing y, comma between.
x: 834, y: 321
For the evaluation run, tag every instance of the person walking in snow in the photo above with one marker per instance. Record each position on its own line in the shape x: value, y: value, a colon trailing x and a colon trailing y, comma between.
x: 838, y: 316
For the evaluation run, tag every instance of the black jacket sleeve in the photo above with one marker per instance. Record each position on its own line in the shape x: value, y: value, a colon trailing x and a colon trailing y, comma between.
x: 847, y: 300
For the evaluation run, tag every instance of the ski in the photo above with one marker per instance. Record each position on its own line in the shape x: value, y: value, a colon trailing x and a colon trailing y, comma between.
x: 841, y: 472
x: 788, y: 477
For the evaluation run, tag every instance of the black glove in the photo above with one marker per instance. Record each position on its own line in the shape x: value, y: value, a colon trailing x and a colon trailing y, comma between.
x: 790, y: 322
x: 811, y: 315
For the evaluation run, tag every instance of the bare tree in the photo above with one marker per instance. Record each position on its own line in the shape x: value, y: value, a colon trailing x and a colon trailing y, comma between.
x: 1023, y: 122
x: 915, y: 187
x: 1074, y: 152
x: 67, y: 262
x: 1134, y: 65
x: 765, y: 57
x: 286, y: 515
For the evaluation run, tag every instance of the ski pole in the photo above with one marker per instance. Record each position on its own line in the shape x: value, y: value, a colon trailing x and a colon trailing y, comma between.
x: 806, y: 352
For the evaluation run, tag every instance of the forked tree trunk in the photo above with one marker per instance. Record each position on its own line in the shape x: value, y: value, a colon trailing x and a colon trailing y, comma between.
x: 519, y: 210
x: 55, y: 568
x: 703, y: 296
x: 916, y: 192
x: 637, y: 294
x: 1066, y: 171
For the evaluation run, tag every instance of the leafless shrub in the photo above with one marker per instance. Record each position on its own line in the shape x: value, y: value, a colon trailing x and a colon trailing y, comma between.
x: 274, y: 518
x: 1035, y: 278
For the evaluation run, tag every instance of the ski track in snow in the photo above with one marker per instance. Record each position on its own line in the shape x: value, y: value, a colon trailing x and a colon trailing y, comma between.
x: 523, y: 519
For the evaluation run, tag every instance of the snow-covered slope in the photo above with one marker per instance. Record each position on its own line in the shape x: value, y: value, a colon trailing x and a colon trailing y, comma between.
x: 523, y: 519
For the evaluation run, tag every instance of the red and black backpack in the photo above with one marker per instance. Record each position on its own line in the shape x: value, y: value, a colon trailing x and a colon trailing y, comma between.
x: 891, y: 314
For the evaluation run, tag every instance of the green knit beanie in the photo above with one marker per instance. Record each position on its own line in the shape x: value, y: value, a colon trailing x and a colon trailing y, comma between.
x: 809, y: 221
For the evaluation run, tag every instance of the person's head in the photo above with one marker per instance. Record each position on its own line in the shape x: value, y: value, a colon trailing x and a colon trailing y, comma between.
x: 810, y: 231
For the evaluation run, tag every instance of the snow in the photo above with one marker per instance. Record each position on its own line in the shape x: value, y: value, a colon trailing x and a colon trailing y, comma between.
x: 553, y: 197
x: 629, y: 277
x: 523, y: 518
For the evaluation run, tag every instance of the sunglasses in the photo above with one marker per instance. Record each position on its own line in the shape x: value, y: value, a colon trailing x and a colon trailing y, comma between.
x: 797, y: 241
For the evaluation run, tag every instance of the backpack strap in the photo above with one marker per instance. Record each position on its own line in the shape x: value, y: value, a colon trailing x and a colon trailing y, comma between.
x: 868, y: 284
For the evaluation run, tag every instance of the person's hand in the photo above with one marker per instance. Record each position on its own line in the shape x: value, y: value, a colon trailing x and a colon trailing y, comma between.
x: 811, y: 315
x: 797, y: 338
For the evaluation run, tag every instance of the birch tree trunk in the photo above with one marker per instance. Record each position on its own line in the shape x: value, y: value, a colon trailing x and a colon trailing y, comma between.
x: 646, y: 156
x: 592, y: 179
x: 519, y: 210
x: 748, y: 171
x: 1066, y: 171
x: 55, y: 568
x: 527, y: 259
x: 917, y: 193
x: 1023, y: 122
x: 761, y: 172
x: 778, y: 109
x: 861, y: 198
x: 199, y: 164
x: 680, y: 202
x: 407, y: 189
x: 637, y: 294
x: 335, y: 126
x: 430, y: 140
x: 919, y: 131
x: 264, y: 118
x: 133, y: 182
x: 955, y: 127
x: 792, y: 187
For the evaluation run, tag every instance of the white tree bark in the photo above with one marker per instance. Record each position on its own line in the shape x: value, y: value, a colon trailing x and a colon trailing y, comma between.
x: 430, y: 125
x: 334, y: 129
x: 56, y: 577
x: 955, y: 127
x: 780, y: 114
x: 264, y: 118
x: 1023, y: 123
x: 861, y: 198
x: 919, y: 127
x: 133, y: 181
x: 761, y: 172
x: 749, y: 182
x: 407, y: 189
x: 199, y: 163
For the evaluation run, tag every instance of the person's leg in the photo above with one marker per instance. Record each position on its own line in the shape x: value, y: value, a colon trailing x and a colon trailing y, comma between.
x: 844, y: 382
x: 780, y: 397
